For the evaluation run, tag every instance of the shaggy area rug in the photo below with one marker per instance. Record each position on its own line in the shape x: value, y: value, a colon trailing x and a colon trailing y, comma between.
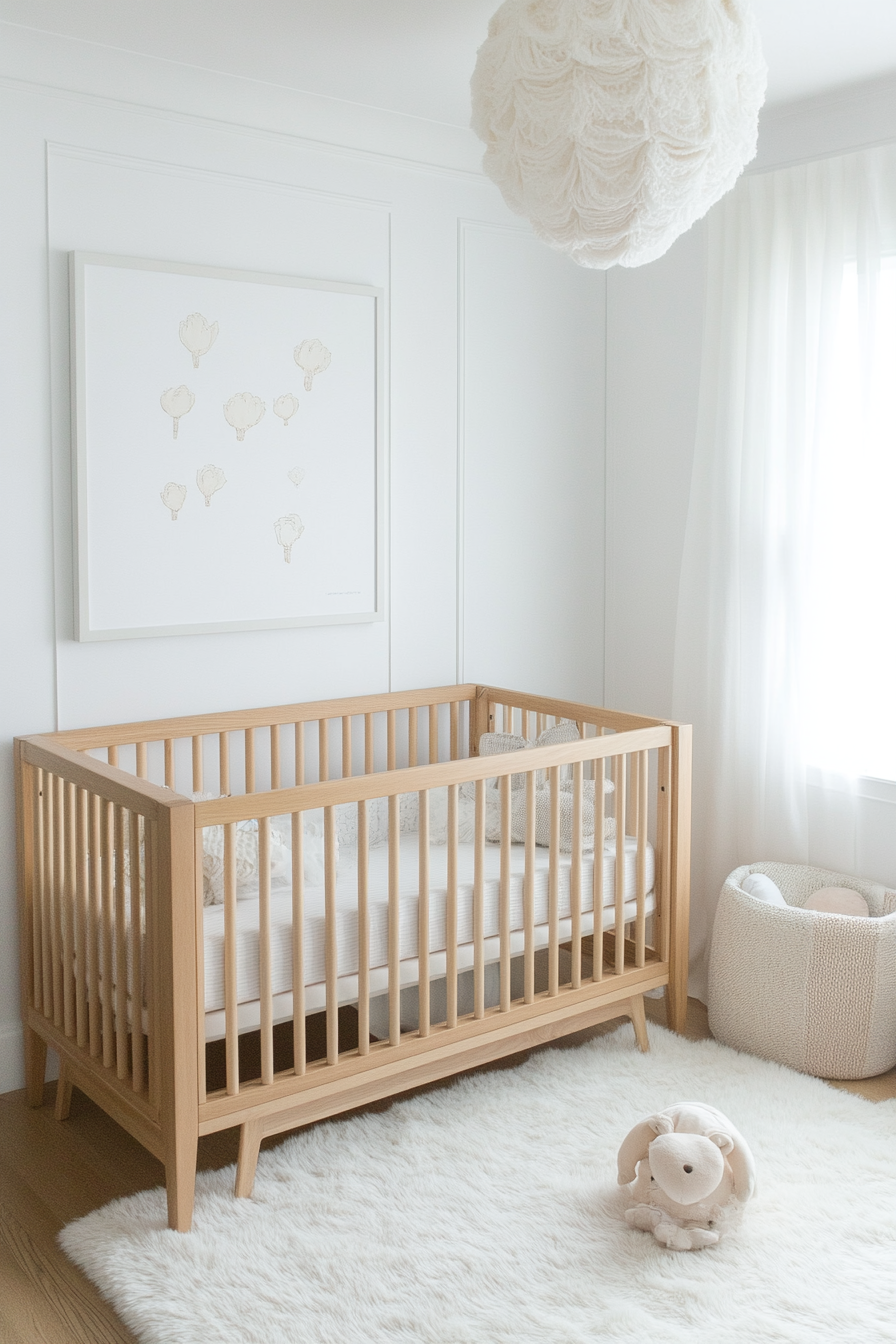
x: 487, y: 1213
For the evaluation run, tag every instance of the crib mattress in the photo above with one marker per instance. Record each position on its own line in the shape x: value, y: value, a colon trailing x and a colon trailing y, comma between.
x: 378, y: 887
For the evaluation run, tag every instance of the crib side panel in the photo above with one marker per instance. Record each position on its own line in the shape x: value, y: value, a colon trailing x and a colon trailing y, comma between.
x: 105, y: 963
x: 535, y: 830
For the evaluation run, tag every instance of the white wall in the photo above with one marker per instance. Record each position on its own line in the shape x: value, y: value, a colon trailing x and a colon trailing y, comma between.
x: 110, y: 152
x: 655, y: 324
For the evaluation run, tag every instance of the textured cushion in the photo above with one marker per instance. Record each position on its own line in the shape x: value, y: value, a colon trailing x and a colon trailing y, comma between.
x: 838, y: 901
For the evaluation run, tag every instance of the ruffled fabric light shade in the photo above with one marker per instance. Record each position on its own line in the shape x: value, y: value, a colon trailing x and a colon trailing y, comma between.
x: 614, y: 124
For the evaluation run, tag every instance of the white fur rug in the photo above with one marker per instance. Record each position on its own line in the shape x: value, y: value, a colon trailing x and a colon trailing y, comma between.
x: 487, y: 1213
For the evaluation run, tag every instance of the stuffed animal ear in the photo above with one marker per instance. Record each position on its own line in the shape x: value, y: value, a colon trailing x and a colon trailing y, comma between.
x: 740, y: 1160
x: 636, y: 1142
x: 722, y: 1140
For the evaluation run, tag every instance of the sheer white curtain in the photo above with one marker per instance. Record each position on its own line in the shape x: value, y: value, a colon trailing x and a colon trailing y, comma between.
x: 778, y: 248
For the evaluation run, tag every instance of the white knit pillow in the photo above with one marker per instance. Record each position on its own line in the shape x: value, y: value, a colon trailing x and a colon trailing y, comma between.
x: 246, y: 856
x: 466, y: 816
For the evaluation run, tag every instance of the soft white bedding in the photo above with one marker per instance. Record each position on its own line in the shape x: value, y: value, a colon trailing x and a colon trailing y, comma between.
x: 347, y: 925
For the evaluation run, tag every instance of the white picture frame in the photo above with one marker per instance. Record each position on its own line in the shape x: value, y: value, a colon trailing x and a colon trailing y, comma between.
x: 245, y: 412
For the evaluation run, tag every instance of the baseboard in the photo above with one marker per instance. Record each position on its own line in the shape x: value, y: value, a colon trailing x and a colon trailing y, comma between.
x: 12, y: 1059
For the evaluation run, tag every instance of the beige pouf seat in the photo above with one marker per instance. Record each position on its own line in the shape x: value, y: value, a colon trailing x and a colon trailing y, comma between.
x: 814, y: 991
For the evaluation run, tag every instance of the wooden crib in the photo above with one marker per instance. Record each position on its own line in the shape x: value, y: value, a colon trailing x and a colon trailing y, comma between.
x: 111, y: 883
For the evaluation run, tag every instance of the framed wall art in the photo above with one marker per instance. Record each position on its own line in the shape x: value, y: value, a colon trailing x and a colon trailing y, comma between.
x: 228, y: 449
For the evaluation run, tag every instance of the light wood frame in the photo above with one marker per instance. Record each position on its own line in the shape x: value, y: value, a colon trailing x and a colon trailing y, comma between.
x: 110, y: 875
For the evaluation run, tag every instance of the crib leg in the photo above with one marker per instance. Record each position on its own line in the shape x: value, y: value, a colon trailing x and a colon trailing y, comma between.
x: 251, y: 1134
x: 180, y: 1181
x: 639, y: 1021
x: 35, y: 1067
x: 63, y: 1095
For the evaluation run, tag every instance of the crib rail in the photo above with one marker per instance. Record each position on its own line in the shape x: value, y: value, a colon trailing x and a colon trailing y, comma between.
x: 245, y: 751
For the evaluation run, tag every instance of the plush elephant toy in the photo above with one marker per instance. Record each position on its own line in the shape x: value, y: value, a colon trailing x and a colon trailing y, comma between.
x: 690, y: 1172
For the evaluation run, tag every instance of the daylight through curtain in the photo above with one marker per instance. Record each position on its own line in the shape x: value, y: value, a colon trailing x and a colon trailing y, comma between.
x: 747, y: 620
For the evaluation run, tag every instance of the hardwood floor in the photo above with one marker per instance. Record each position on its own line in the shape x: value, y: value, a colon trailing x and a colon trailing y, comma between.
x: 51, y: 1173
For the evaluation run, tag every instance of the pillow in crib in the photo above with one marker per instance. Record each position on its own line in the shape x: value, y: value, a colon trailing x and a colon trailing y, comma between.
x: 543, y: 818
x: 246, y: 862
x: 494, y: 744
x: 246, y: 856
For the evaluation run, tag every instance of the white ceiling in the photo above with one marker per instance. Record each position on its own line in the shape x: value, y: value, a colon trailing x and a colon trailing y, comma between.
x: 415, y: 56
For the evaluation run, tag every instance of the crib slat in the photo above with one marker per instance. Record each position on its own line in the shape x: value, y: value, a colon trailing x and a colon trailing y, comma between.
x: 619, y: 923
x: 250, y: 759
x: 94, y: 923
x: 37, y: 951
x: 454, y: 730
x: 641, y: 862
x: 332, y: 969
x: 56, y: 873
x: 346, y: 747
x: 575, y: 876
x: 300, y: 753
x: 363, y: 932
x: 529, y: 892
x: 323, y: 749
x: 106, y: 926
x: 199, y: 924
x: 223, y: 763
x: 265, y: 995
x: 231, y: 1026
x: 140, y: 752
x: 82, y: 887
x: 137, y: 1080
x: 153, y: 1056
x: 478, y: 904
x: 298, y: 941
x: 121, y: 950
x: 394, y: 926
x: 112, y: 755
x: 554, y: 886
x: 451, y: 910
x: 169, y: 763
x: 433, y: 734
x: 69, y: 886
x: 597, y: 883
x: 423, y: 911
x: 508, y: 718
x: 504, y: 895
x: 275, y: 756
x: 412, y: 735
x: 368, y: 744
x: 391, y: 759
x: 197, y: 765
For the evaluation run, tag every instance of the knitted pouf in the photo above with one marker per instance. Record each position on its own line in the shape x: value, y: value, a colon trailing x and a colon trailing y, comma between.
x: 811, y: 990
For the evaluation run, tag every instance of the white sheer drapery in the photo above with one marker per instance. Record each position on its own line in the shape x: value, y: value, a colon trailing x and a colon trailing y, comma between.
x: 778, y: 245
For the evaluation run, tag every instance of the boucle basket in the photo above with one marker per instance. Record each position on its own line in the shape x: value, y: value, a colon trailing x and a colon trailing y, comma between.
x: 811, y: 990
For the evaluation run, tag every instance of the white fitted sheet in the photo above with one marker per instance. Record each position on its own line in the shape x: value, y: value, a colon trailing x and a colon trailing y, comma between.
x: 347, y: 923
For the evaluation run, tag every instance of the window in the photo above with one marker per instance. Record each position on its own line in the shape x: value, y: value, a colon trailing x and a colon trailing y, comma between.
x: 850, y: 634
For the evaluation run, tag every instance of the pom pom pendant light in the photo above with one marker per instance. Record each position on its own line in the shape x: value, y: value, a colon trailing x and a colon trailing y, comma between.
x: 614, y: 124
